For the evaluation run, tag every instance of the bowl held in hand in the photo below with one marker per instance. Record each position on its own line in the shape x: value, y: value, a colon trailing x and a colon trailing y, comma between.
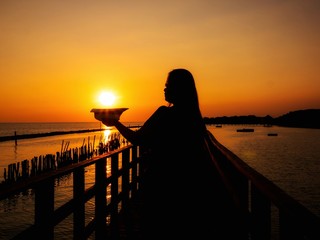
x: 105, y: 114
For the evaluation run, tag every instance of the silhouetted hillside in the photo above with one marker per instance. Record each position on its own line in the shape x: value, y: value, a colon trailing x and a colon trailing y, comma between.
x: 309, y: 118
x: 250, y: 119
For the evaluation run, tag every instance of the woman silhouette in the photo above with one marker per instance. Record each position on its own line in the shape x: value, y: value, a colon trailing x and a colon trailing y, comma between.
x: 177, y: 185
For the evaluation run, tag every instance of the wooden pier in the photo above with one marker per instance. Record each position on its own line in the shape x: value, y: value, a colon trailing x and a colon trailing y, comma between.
x: 256, y: 208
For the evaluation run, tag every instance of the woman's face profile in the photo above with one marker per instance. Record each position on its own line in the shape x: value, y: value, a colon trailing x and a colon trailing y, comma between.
x: 168, y: 92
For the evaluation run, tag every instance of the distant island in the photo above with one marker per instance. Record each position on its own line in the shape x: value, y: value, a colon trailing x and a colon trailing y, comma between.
x: 308, y: 118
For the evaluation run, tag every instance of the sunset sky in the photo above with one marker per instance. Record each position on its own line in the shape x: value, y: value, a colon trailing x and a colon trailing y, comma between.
x: 247, y: 56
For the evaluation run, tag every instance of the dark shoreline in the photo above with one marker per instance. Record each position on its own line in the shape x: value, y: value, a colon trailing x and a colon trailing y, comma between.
x: 48, y: 134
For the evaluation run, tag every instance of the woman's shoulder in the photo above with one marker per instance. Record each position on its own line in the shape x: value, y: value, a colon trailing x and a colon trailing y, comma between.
x: 163, y: 108
x: 162, y: 112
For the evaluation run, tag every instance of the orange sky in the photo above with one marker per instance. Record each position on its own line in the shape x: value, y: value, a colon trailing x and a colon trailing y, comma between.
x: 247, y: 56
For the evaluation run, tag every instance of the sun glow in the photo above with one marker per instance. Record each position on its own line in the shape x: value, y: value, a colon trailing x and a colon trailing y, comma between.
x: 107, y: 98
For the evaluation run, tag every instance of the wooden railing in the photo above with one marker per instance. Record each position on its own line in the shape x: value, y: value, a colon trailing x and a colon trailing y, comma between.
x: 125, y: 168
x: 268, y: 212
x: 252, y: 195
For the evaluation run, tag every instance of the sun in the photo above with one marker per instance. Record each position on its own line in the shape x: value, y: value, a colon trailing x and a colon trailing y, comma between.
x: 107, y: 98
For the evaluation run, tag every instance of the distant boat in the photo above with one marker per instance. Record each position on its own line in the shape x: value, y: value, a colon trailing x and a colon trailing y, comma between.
x: 218, y: 126
x: 245, y: 130
x: 272, y: 134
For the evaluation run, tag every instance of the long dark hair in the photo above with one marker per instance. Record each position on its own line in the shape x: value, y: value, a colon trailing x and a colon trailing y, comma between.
x: 186, y: 96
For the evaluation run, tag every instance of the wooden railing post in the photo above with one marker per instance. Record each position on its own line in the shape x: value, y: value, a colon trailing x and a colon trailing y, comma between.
x: 79, y: 201
x: 44, y: 209
x: 125, y: 184
x: 288, y: 229
x: 134, y: 169
x: 100, y: 199
x: 260, y: 215
x: 114, y: 196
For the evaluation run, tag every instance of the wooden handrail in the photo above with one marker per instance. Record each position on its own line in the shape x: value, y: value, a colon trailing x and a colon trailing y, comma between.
x: 43, y: 186
x: 253, y: 195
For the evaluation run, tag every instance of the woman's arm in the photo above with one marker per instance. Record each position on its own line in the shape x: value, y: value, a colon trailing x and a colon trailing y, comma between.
x: 126, y: 132
x: 145, y: 133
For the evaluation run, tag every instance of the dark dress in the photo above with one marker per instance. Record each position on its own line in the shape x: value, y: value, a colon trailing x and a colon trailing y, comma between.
x: 178, y: 183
